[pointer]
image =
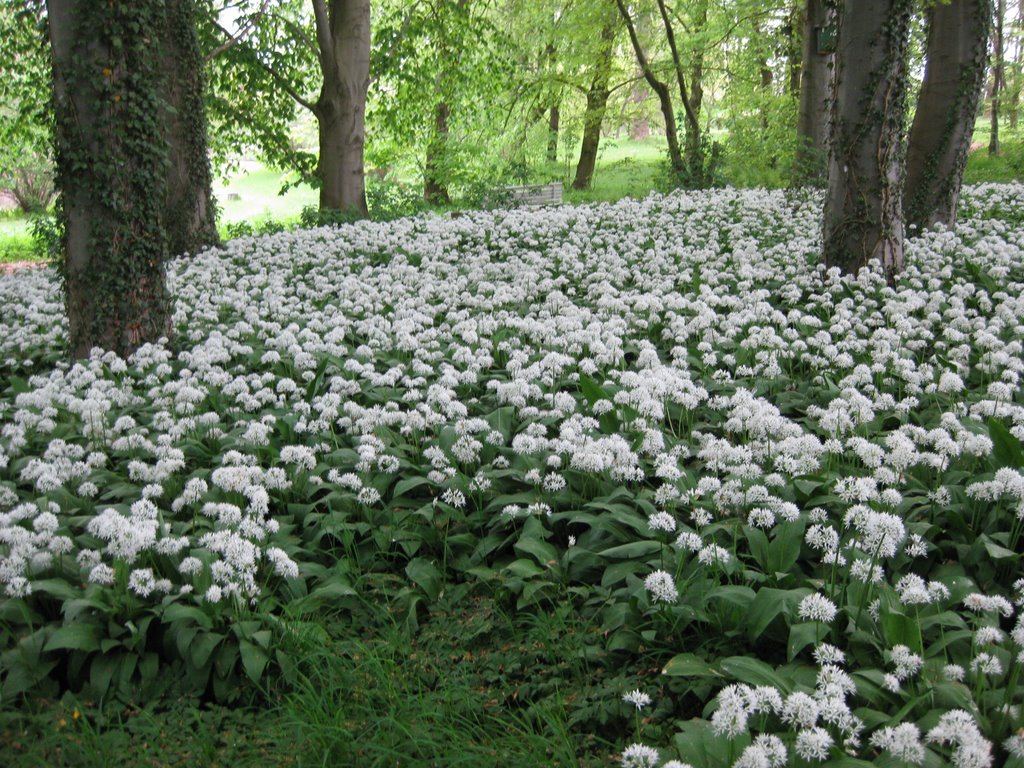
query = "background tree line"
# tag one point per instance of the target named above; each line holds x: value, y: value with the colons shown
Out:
x: 462, y: 95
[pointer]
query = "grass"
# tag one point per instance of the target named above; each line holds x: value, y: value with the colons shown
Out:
x: 477, y: 685
x: 254, y: 195
x: 625, y: 168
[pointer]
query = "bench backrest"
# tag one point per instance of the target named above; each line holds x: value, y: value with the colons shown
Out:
x: 536, y: 194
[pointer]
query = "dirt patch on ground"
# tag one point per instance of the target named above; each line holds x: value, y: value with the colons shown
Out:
x: 10, y: 267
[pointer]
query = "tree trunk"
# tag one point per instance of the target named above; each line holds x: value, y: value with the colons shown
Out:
x: 343, y: 36
x: 863, y: 206
x: 811, y: 155
x: 435, y: 190
x: 554, y: 117
x: 191, y: 211
x: 660, y: 89
x: 597, y: 101
x: 940, y: 137
x: 997, y: 77
x: 794, y: 48
x: 110, y: 113
x: 691, y: 98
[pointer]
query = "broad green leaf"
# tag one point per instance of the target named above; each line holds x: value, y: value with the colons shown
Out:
x: 758, y: 543
x: 426, y: 575
x: 1006, y: 449
x: 524, y: 569
x: 751, y: 671
x: 404, y: 486
x: 688, y: 665
x: 203, y: 646
x: 75, y: 637
x: 784, y: 550
x: 802, y: 635
x: 543, y: 552
x: 57, y: 588
x: 254, y: 659
x: 176, y: 612
x: 635, y: 550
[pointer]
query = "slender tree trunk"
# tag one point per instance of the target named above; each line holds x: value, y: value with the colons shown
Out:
x: 812, y: 128
x: 794, y: 48
x: 691, y: 97
x: 863, y: 205
x: 554, y: 117
x: 109, y: 106
x: 191, y: 212
x: 940, y: 137
x: 434, y: 188
x: 1015, y: 89
x: 343, y: 37
x: 660, y: 89
x: 997, y: 77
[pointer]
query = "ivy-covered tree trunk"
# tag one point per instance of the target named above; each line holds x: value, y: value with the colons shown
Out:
x: 863, y: 217
x: 940, y: 136
x: 812, y: 125
x: 343, y: 39
x: 110, y: 116
x: 191, y: 216
x: 597, y: 102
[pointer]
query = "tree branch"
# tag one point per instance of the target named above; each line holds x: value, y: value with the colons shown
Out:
x: 280, y: 79
x: 324, y: 39
x: 232, y: 40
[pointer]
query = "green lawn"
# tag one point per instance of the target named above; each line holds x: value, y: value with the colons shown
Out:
x: 253, y: 194
x: 625, y: 168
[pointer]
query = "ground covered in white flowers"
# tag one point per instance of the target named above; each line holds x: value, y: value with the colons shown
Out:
x: 796, y: 498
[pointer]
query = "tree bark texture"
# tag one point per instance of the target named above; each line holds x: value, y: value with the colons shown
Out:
x: 554, y: 119
x: 191, y: 212
x: 940, y: 137
x: 343, y: 38
x: 691, y: 97
x: 998, y: 75
x: 812, y: 124
x: 863, y: 205
x: 434, y: 188
x: 111, y: 169
x: 597, y: 102
x: 660, y: 89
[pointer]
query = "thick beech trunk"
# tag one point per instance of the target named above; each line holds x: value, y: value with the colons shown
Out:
x: 597, y: 102
x: 109, y: 110
x: 940, y: 137
x: 343, y: 37
x: 812, y: 123
x: 191, y: 212
x: 863, y: 205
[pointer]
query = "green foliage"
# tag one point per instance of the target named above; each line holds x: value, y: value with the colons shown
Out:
x: 26, y: 165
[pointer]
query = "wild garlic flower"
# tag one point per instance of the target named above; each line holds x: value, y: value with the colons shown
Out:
x: 813, y: 744
x: 639, y: 756
x: 817, y: 607
x: 637, y: 698
x: 902, y: 741
x: 661, y: 587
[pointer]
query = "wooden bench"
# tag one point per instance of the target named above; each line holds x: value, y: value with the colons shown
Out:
x: 532, y: 194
